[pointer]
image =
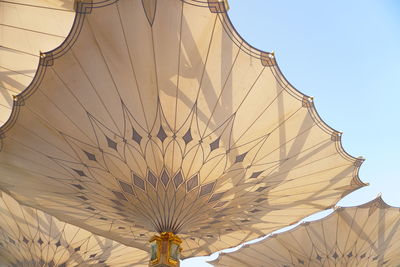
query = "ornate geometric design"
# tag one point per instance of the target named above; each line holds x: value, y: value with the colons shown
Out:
x: 214, y: 145
x: 111, y: 143
x: 29, y: 237
x: 161, y: 134
x: 136, y: 136
x: 192, y: 183
x: 206, y: 189
x: 151, y: 178
x: 127, y: 188
x: 366, y: 235
x: 164, y: 178
x: 138, y: 181
x: 187, y: 137
x: 178, y: 180
x: 189, y: 133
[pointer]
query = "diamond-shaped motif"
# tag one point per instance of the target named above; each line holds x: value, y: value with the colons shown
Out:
x: 319, y: 258
x: 300, y: 261
x: 362, y: 256
x: 261, y: 199
x: 164, y: 178
x: 187, y: 137
x: 77, y: 249
x: 335, y: 255
x: 127, y: 188
x: 136, y: 136
x: 152, y: 179
x: 78, y: 186
x: 256, y: 174
x: 83, y: 198
x: 92, y: 256
x: 262, y: 188
x: 79, y: 172
x: 216, y: 197
x: 220, y: 204
x: 90, y: 156
x: 58, y: 243
x: 350, y: 254
x: 26, y: 241
x: 214, y: 145
x: 178, y: 179
x: 255, y: 210
x: 192, y: 183
x: 206, y: 189
x: 40, y: 241
x: 161, y: 134
x: 11, y: 240
x: 119, y: 195
x: 240, y: 158
x: 139, y: 182
x: 111, y: 144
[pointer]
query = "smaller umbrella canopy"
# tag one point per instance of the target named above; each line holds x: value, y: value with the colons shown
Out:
x: 366, y: 235
x: 29, y: 237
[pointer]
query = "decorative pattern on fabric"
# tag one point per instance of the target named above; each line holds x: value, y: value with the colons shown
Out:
x: 29, y: 237
x: 367, y: 235
x: 170, y: 126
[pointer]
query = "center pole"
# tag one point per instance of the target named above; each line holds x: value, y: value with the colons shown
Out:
x: 165, y: 250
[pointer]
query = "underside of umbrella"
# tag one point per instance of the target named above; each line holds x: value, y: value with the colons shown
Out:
x: 157, y: 117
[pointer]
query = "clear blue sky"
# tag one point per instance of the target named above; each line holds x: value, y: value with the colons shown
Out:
x: 347, y: 55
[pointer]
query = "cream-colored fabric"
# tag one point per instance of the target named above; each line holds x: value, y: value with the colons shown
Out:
x: 26, y: 28
x: 367, y: 235
x: 159, y: 117
x: 30, y: 237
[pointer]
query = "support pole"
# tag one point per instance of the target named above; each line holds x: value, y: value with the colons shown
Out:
x: 165, y: 250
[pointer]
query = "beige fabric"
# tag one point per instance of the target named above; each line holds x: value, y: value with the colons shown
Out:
x: 29, y: 237
x: 26, y: 28
x: 159, y: 117
x: 367, y: 235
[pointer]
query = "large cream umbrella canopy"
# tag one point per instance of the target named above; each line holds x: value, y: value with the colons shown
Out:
x: 27, y: 27
x: 155, y: 116
x: 366, y: 235
x: 29, y: 237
